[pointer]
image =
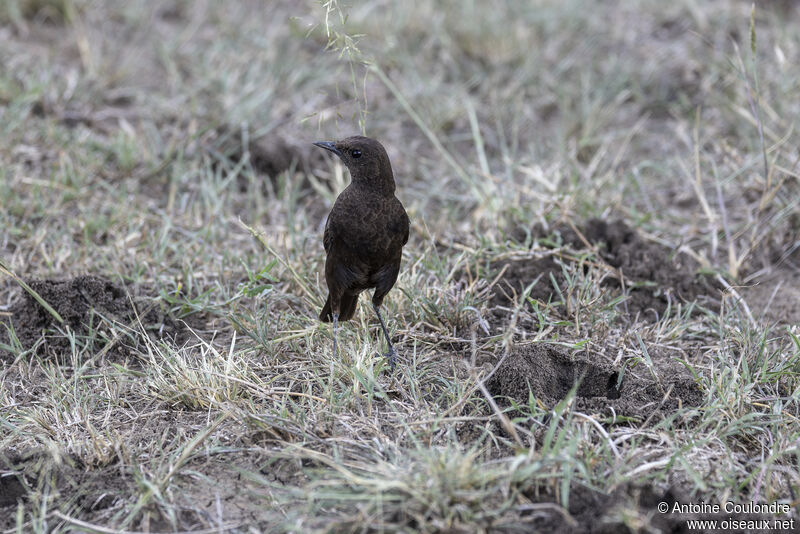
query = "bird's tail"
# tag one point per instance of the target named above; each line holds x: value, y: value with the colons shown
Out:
x: 347, y: 308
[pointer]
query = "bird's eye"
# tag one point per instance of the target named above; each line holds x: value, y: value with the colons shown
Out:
x: 355, y: 153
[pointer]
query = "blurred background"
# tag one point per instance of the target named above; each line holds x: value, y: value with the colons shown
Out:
x: 492, y: 114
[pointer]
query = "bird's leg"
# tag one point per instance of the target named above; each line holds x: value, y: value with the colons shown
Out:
x: 335, y: 328
x: 391, y: 355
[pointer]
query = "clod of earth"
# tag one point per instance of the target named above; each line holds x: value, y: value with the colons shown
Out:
x: 549, y: 373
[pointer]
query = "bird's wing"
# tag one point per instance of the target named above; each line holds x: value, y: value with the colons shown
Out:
x: 327, y: 238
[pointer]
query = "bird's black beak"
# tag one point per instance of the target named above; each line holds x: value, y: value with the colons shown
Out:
x: 327, y: 145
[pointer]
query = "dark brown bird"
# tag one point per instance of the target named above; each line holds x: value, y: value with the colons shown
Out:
x: 365, y: 233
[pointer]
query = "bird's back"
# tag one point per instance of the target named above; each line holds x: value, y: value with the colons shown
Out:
x: 366, y: 227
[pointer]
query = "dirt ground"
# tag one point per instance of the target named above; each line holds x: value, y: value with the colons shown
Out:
x: 598, y: 308
x: 86, y: 304
x: 656, y: 388
x: 652, y: 276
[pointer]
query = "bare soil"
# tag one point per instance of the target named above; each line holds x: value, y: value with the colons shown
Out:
x: 775, y: 298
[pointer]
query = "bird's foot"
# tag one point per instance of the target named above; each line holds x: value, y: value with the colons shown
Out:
x: 391, y: 356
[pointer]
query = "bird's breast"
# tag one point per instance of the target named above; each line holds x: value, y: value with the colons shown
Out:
x: 369, y: 227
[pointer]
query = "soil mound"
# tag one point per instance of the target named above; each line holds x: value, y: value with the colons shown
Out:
x: 83, y: 303
x: 269, y: 154
x: 655, y: 274
x: 549, y: 372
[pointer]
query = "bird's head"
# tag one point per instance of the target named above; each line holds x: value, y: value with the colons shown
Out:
x: 365, y: 158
